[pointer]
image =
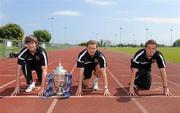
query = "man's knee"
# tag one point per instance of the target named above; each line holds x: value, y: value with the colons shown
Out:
x: 98, y: 72
x: 143, y: 82
x: 142, y: 85
x: 146, y: 84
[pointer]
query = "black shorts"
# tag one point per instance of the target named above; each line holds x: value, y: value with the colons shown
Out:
x: 143, y: 79
x: 88, y: 70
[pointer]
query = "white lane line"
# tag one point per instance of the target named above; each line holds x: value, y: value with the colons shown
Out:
x: 92, y: 89
x: 10, y: 75
x: 73, y: 69
x: 89, y: 96
x: 53, y: 104
x: 124, y: 75
x: 8, y: 68
x: 157, y: 76
x: 2, y: 66
x: 156, y: 83
x: 9, y: 83
x: 122, y: 86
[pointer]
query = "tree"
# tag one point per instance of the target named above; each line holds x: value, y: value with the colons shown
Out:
x: 141, y: 45
x: 11, y: 31
x: 176, y: 43
x: 42, y: 35
x: 83, y: 44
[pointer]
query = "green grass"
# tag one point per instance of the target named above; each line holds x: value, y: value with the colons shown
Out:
x: 56, y: 47
x: 1, y: 50
x: 170, y: 54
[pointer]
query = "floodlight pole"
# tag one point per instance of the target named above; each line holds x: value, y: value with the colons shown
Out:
x: 147, y: 33
x: 52, y: 29
x: 171, y: 30
x: 65, y: 29
x: 120, y: 34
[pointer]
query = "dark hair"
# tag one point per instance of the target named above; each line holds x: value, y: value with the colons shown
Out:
x: 91, y: 42
x: 30, y: 38
x: 151, y: 42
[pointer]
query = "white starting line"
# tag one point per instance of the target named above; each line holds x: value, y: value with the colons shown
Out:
x: 90, y: 96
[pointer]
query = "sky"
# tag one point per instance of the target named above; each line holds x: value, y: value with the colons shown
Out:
x: 75, y: 21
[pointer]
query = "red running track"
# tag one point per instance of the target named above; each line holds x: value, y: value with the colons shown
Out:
x: 147, y: 101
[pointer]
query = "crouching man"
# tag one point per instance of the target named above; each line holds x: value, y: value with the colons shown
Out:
x: 141, y: 68
x: 91, y: 61
x: 32, y: 57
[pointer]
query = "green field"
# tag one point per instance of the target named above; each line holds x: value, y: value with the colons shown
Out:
x: 1, y: 50
x: 170, y: 54
x: 56, y: 47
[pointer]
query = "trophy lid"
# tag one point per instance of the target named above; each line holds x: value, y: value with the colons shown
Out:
x: 59, y: 69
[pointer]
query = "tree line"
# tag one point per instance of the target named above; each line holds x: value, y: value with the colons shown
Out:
x: 13, y: 31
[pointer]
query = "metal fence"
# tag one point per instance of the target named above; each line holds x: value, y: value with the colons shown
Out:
x: 9, y: 46
x: 14, y: 46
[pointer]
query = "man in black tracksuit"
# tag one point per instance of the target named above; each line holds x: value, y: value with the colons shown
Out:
x: 141, y: 68
x: 32, y: 57
x: 91, y: 61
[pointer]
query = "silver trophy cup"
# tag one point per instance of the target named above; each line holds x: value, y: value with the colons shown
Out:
x: 59, y: 80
